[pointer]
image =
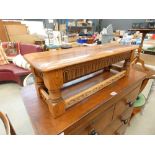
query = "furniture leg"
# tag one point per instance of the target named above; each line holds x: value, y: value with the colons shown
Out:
x: 128, y: 62
x: 139, y: 52
x: 38, y: 81
x: 56, y: 103
x: 107, y: 68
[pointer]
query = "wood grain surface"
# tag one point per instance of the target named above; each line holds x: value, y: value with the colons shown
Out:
x: 48, y: 61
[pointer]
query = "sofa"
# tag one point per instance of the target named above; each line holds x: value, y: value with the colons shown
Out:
x: 10, y: 71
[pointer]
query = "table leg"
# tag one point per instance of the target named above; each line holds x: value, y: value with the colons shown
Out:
x: 56, y: 103
x: 128, y: 62
x: 38, y: 81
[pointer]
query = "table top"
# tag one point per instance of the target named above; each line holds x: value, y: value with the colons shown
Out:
x: 143, y: 30
x: 44, y: 123
x: 48, y: 61
x: 150, y: 41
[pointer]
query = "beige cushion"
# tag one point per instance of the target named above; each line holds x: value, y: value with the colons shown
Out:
x: 21, y: 62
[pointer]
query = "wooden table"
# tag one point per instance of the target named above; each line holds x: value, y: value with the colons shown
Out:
x: 78, y: 116
x: 53, y: 70
x: 144, y: 32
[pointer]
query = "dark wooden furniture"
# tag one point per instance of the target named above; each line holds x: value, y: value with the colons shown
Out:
x: 144, y: 32
x: 13, y: 31
x: 56, y: 72
x: 100, y: 113
x: 3, y: 35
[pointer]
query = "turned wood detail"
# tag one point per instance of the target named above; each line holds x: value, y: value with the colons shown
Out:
x: 76, y: 71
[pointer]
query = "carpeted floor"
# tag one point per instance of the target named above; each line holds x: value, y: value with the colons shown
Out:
x: 11, y: 103
x: 144, y: 123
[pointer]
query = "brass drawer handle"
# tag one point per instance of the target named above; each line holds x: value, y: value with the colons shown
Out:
x: 125, y: 121
x: 93, y: 132
x: 130, y: 104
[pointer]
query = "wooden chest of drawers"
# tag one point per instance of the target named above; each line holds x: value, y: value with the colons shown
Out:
x: 101, y: 113
x: 112, y: 118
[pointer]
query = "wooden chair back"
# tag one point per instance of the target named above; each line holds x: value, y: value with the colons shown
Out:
x: 8, y: 126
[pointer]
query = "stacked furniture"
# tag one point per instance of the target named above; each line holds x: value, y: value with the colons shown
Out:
x: 12, y: 31
x: 80, y: 91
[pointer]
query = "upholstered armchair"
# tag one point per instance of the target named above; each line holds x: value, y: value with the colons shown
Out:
x: 10, y: 71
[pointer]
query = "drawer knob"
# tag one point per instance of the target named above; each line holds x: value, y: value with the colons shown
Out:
x: 125, y: 121
x: 130, y: 104
x: 93, y: 132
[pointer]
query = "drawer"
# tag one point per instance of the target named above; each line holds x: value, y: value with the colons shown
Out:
x: 121, y: 130
x: 80, y: 126
x: 110, y: 130
x: 131, y: 97
x: 82, y: 131
x: 94, y: 126
x: 125, y: 116
x: 118, y: 122
x: 125, y: 103
x: 102, y: 121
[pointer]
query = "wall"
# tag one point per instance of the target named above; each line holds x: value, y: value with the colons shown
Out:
x: 35, y: 27
x: 121, y: 24
x: 63, y: 21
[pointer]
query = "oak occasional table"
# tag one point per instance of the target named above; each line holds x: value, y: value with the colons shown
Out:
x: 56, y: 72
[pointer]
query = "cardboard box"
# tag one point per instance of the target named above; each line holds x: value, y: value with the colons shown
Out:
x: 63, y: 27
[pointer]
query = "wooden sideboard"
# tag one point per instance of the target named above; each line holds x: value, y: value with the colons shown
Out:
x: 101, y: 113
